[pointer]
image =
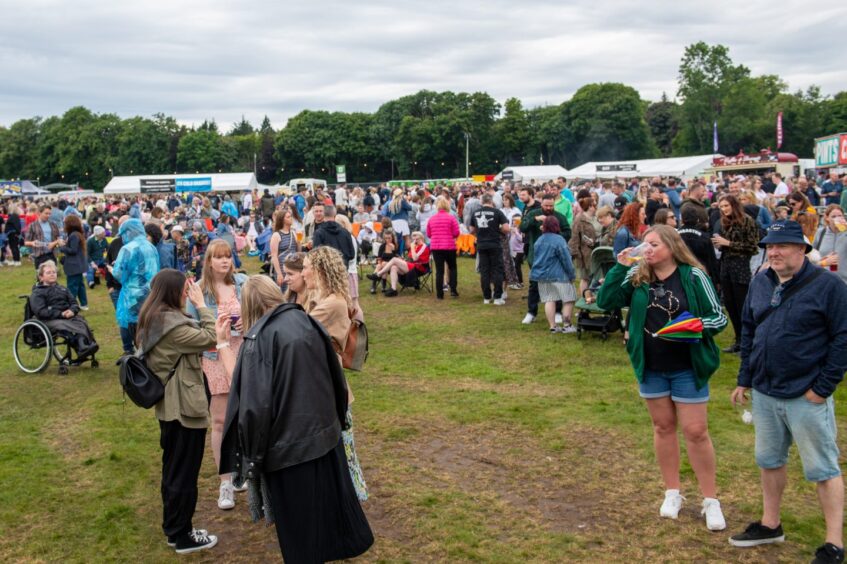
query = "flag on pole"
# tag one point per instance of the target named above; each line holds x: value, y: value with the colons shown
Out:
x: 779, y: 130
x: 715, y: 138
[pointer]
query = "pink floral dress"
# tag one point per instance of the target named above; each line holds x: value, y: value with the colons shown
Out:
x: 219, y: 380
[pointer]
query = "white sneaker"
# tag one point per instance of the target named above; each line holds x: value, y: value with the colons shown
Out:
x: 83, y: 308
x: 528, y: 319
x: 672, y: 504
x: 501, y: 301
x: 558, y: 319
x: 567, y: 329
x: 714, y: 515
x: 242, y: 488
x: 504, y: 295
x: 486, y: 301
x: 226, y: 500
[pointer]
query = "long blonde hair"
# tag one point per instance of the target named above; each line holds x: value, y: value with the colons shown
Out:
x: 216, y: 248
x: 258, y: 296
x: 680, y: 253
x: 330, y: 275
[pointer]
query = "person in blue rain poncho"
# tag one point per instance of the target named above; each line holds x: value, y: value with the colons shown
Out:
x: 135, y: 267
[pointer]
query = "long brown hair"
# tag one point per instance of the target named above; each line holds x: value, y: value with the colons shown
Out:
x: 216, y: 248
x: 737, y: 215
x: 680, y: 253
x: 165, y: 295
x: 73, y: 224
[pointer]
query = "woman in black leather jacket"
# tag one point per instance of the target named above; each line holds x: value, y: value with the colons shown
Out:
x: 287, y: 405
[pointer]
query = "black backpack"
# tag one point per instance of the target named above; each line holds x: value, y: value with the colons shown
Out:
x: 140, y: 383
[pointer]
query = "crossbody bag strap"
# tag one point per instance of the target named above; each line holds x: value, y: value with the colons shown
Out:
x: 791, y: 291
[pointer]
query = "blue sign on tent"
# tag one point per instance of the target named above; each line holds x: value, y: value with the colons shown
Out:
x: 194, y: 184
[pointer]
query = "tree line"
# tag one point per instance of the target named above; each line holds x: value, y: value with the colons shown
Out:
x: 424, y: 135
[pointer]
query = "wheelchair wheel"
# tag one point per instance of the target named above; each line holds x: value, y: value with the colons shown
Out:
x: 33, y: 346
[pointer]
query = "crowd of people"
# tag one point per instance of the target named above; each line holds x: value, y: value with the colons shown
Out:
x: 171, y: 264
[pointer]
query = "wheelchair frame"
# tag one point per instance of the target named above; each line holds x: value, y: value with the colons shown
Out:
x: 35, y: 334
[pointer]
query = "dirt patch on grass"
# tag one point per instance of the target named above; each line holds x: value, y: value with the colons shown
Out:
x: 592, y: 490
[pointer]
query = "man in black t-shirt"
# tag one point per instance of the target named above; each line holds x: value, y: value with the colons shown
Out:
x: 488, y: 223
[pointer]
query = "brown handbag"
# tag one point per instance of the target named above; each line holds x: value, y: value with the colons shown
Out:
x: 355, y: 351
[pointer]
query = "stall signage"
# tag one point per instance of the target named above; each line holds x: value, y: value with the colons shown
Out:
x: 842, y: 152
x: 203, y: 184
x: 156, y: 185
x: 617, y: 168
x: 826, y: 151
x: 507, y: 175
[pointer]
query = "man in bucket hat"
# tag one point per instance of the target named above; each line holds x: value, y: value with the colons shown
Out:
x: 793, y: 355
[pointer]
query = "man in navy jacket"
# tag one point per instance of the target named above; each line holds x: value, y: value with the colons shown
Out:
x: 793, y: 355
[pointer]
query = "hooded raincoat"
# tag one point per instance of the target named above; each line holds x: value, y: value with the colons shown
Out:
x: 135, y: 267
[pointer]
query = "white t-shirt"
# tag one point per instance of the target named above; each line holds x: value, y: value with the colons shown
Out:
x: 247, y: 201
x: 340, y: 197
x: 781, y: 189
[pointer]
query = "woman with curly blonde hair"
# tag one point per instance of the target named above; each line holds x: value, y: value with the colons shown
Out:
x: 325, y: 275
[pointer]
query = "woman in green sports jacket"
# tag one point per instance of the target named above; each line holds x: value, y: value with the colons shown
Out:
x: 673, y: 377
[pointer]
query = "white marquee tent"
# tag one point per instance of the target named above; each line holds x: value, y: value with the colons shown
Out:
x: 530, y: 173
x: 680, y: 167
x: 223, y: 182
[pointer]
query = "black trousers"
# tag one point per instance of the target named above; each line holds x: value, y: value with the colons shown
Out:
x: 441, y: 258
x: 491, y: 272
x: 534, y: 298
x: 15, y: 246
x: 733, y: 298
x: 182, y: 454
x: 518, y: 260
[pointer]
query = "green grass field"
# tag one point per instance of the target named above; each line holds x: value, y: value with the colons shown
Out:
x: 481, y: 440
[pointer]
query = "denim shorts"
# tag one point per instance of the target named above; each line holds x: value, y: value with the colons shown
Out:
x: 680, y: 385
x: 780, y: 421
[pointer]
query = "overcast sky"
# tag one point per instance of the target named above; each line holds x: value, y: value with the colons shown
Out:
x: 202, y: 60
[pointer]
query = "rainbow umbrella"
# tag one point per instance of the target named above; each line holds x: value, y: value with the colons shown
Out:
x: 684, y: 329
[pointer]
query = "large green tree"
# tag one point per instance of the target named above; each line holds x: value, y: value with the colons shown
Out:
x: 706, y: 74
x: 663, y: 120
x: 606, y: 122
x: 202, y: 151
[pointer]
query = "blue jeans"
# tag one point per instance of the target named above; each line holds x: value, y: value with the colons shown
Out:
x: 680, y: 385
x: 76, y: 286
x: 779, y: 422
x: 128, y: 338
x: 89, y: 276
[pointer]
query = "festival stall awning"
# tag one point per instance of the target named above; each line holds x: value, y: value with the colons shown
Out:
x: 541, y: 173
x: 169, y: 183
x: 679, y: 167
x: 20, y: 188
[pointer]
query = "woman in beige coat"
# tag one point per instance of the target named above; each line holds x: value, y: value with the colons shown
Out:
x: 584, y: 237
x: 325, y: 275
x: 171, y: 342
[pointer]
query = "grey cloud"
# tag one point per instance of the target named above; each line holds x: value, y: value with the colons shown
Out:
x: 201, y: 60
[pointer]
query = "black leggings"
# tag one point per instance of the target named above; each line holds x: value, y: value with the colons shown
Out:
x: 442, y: 257
x: 734, y: 295
x: 518, y: 259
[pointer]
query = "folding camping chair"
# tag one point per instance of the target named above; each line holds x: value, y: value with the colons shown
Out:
x: 418, y: 280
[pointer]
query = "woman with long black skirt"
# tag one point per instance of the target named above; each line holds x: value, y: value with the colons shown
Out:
x: 287, y: 407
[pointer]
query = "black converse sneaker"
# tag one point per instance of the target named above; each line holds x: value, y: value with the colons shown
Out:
x: 756, y: 534
x: 829, y: 553
x: 194, y: 541
x: 172, y: 538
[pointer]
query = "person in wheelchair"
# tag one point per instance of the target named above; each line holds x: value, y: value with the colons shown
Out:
x: 52, y: 304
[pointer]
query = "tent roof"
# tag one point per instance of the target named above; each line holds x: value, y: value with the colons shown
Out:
x: 674, y: 166
x: 20, y: 188
x: 541, y: 172
x: 221, y: 182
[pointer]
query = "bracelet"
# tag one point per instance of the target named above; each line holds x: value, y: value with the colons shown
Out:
x: 220, y: 346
